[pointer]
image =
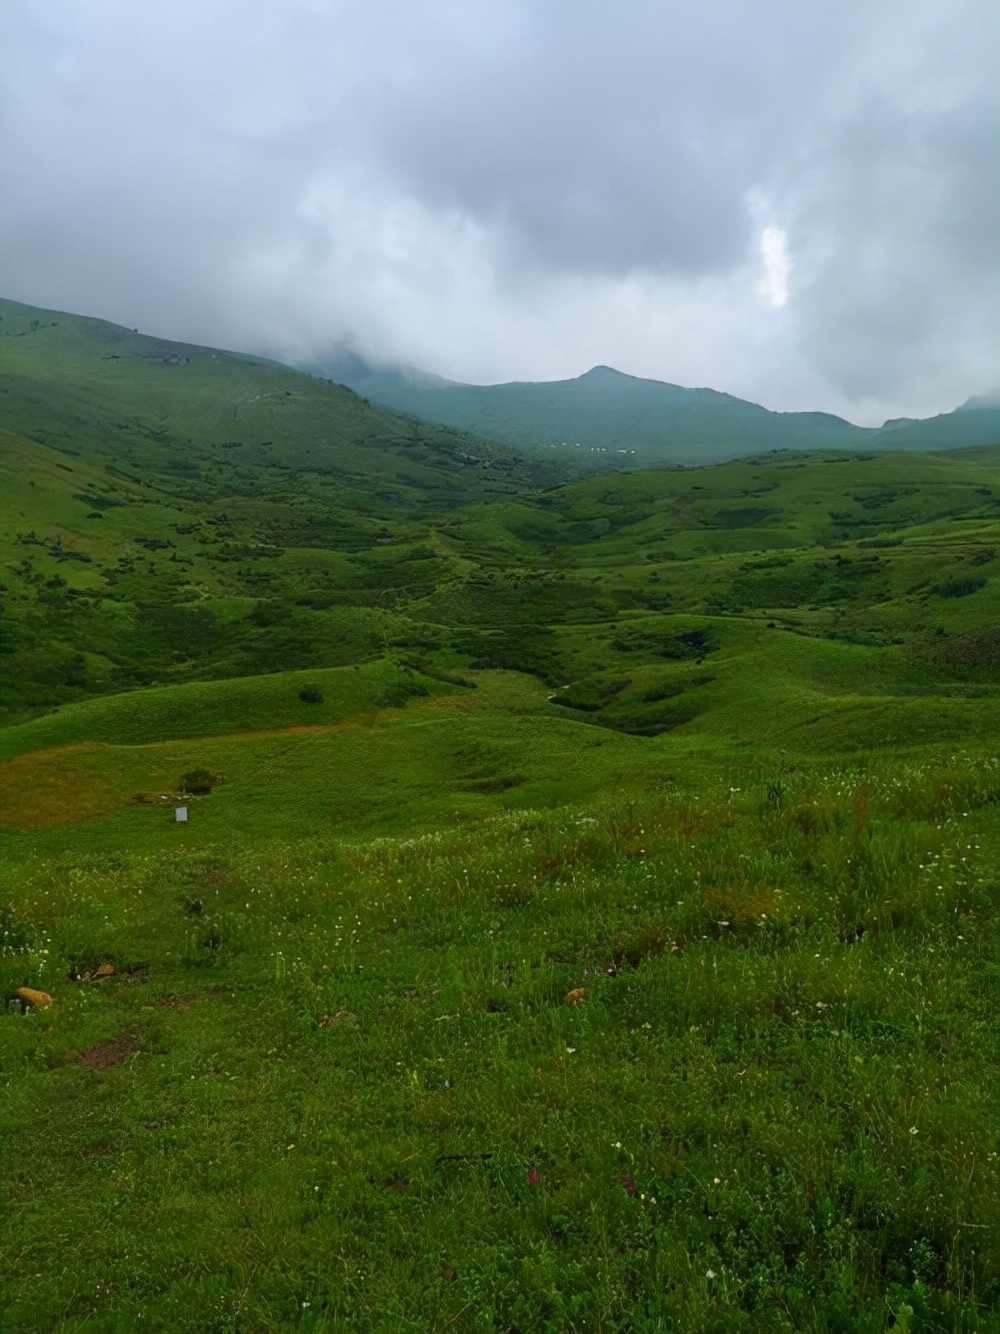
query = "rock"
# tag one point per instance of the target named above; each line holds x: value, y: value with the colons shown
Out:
x: 105, y: 970
x: 38, y: 1000
x: 577, y: 995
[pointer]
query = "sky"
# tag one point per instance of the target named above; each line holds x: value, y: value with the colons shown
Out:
x: 795, y: 201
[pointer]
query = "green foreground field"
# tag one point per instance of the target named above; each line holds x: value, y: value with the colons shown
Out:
x: 585, y: 914
x: 337, y: 1083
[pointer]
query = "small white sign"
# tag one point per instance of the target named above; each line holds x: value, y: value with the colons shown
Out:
x: 181, y: 814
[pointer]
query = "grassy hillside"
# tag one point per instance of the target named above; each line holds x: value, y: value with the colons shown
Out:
x: 207, y: 422
x: 155, y: 496
x: 584, y: 916
x: 966, y: 426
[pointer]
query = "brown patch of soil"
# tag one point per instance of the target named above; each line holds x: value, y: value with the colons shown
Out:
x: 112, y: 1051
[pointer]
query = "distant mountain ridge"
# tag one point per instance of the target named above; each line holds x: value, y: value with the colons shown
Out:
x: 599, y: 419
x: 605, y: 416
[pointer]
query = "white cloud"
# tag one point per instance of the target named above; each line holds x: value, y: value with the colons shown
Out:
x: 794, y: 203
x: 776, y: 265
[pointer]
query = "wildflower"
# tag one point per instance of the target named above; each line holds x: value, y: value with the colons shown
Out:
x: 532, y: 1176
x: 710, y: 1273
x: 571, y: 1050
x: 629, y: 1185
x: 914, y: 1130
x: 715, y: 1181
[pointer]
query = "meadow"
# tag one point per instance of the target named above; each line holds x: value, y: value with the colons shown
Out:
x: 585, y: 914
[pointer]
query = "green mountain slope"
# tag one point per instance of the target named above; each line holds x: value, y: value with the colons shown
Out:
x: 607, y: 418
x: 965, y: 427
x: 208, y: 422
x: 172, y: 511
x: 602, y: 417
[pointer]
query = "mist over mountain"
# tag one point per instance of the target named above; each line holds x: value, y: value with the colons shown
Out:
x: 611, y: 417
x: 797, y: 203
x: 603, y: 418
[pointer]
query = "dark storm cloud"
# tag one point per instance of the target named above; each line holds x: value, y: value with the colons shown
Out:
x: 796, y: 202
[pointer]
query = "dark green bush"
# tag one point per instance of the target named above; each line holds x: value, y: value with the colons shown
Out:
x: 959, y: 588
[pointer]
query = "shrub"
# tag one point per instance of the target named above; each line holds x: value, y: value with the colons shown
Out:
x: 310, y: 695
x: 959, y: 588
x: 197, y: 782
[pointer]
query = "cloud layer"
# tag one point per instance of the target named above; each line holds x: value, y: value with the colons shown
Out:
x: 795, y: 203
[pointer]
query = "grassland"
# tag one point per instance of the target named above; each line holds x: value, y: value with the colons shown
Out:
x: 585, y: 918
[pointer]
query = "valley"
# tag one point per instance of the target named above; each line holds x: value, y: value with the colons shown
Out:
x: 583, y: 917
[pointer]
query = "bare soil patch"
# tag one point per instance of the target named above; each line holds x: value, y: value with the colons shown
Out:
x: 112, y: 1051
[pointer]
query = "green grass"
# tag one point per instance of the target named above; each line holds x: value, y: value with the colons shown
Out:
x: 247, y: 704
x: 344, y: 1089
x: 715, y: 746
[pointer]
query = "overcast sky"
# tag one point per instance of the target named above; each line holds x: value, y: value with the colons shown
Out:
x: 795, y: 201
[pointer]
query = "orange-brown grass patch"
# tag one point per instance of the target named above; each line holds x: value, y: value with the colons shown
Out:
x: 462, y: 701
x: 57, y: 786
x: 669, y: 824
x: 741, y: 904
x: 570, y: 855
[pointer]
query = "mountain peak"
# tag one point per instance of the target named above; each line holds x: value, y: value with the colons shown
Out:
x: 603, y: 373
